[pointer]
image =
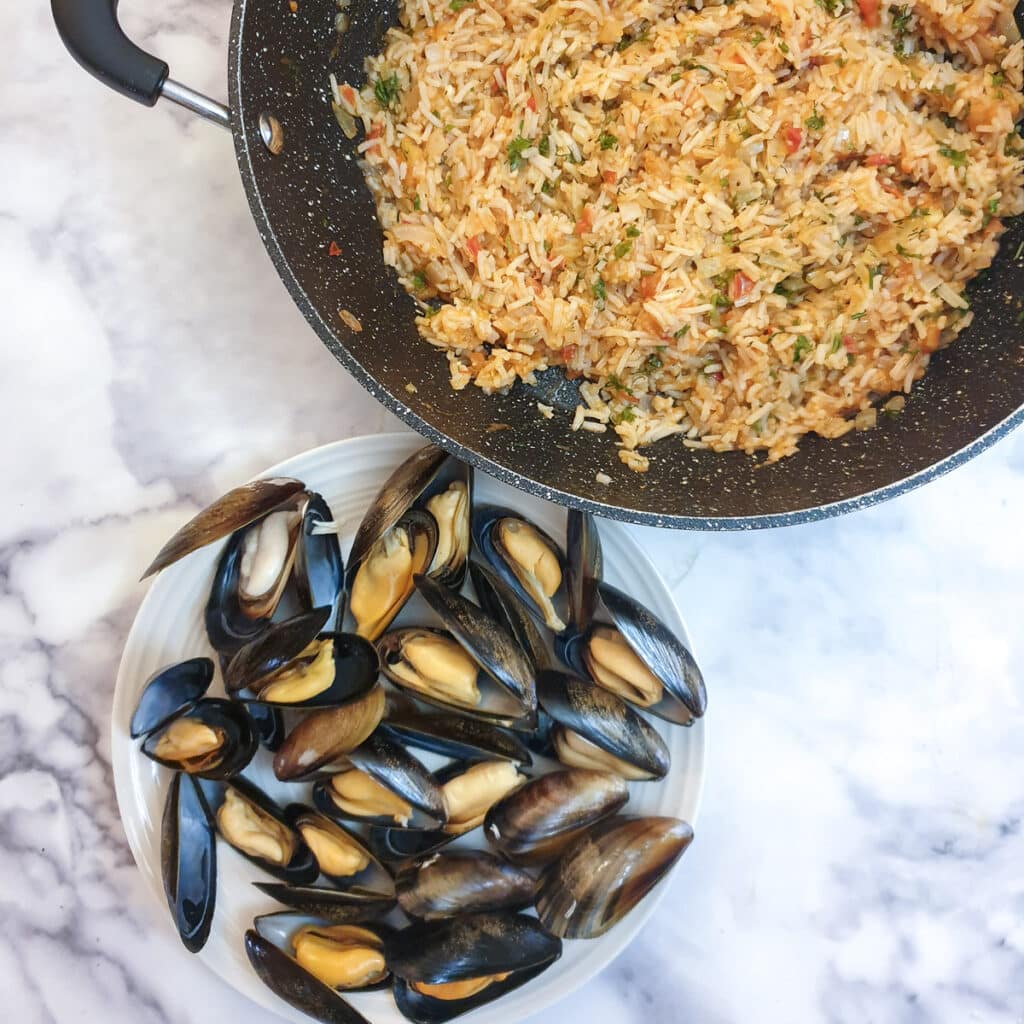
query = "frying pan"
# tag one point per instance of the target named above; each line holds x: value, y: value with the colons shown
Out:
x: 305, y: 190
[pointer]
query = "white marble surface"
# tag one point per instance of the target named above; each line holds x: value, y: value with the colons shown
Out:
x: 860, y: 856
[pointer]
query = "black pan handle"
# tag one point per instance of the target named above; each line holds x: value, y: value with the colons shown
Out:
x: 94, y: 37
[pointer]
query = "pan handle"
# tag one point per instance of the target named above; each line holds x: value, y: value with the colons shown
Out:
x: 91, y: 32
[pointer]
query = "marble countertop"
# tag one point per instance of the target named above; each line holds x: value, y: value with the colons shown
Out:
x: 859, y: 856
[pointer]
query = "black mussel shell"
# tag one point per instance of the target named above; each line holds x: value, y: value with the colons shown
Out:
x: 604, y: 720
x: 452, y: 470
x: 490, y: 645
x: 296, y: 986
x: 229, y: 513
x: 269, y: 724
x: 231, y: 719
x: 273, y: 649
x: 539, y: 739
x: 170, y: 691
x: 486, y: 536
x: 390, y: 845
x: 188, y: 859
x: 302, y: 867
x: 502, y: 603
x: 320, y: 568
x: 330, y: 904
x: 584, y: 564
x: 463, y: 882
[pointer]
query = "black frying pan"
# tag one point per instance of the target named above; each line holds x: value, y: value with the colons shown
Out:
x: 311, y: 192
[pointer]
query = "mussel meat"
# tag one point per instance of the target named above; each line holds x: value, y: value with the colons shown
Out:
x: 469, y: 793
x: 607, y: 872
x: 169, y: 692
x: 360, y: 796
x: 450, y: 509
x: 213, y: 738
x: 502, y: 603
x: 461, y: 883
x: 340, y: 855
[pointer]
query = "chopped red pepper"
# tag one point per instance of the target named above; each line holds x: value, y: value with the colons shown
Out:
x: 878, y: 160
x: 849, y: 343
x: 793, y: 137
x: 348, y: 95
x: 739, y: 286
x: 869, y: 12
x: 472, y: 247
x: 531, y: 104
x: 586, y: 222
x: 334, y: 249
x: 610, y: 177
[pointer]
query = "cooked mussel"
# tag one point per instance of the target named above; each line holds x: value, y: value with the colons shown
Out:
x: 188, y: 860
x: 340, y: 854
x: 212, y: 738
x: 584, y: 564
x: 595, y: 729
x: 394, y: 845
x: 537, y: 822
x: 335, y: 905
x: 461, y: 883
x: 470, y: 791
x: 327, y: 734
x: 169, y: 692
x: 319, y: 567
x: 502, y: 603
x: 527, y: 558
x: 382, y: 581
x: 630, y: 652
x: 384, y: 785
x: 607, y: 872
x: 446, y: 968
x: 345, y: 957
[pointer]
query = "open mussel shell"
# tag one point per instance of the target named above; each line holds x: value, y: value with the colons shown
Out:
x: 329, y: 904
x: 213, y: 739
x: 486, y: 641
x: 502, y: 603
x: 632, y: 653
x: 537, y: 822
x: 273, y: 650
x: 169, y: 692
x: 463, y: 882
x: 385, y: 785
x: 236, y: 509
x: 393, y: 845
x: 595, y: 729
x: 451, y: 735
x: 254, y: 825
x: 434, y: 667
x: 228, y: 628
x: 188, y: 860
x: 527, y: 558
x: 607, y: 872
x: 340, y: 854
x: 296, y: 986
x: 381, y: 582
x: 345, y: 957
x: 584, y: 563
x: 448, y: 499
x: 327, y: 734
x: 319, y: 566
x: 471, y: 789
x: 485, y: 955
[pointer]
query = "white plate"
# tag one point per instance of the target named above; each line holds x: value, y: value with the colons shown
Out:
x: 169, y: 628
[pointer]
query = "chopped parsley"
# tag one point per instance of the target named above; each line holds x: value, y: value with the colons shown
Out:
x: 613, y: 383
x: 920, y: 211
x: 992, y: 205
x: 858, y: 316
x: 803, y: 344
x: 419, y: 280
x: 876, y: 271
x: 957, y: 157
x: 386, y: 89
x: 516, y: 148
x: 548, y: 188
x: 682, y: 332
x: 599, y: 290
x: 833, y: 7
x: 632, y: 231
x: 607, y: 141
x: 906, y: 254
x: 416, y: 205
x: 457, y: 5
x: 815, y: 122
x: 692, y: 65
x: 544, y: 146
x: 998, y: 79
x: 757, y: 39
x: 622, y: 249
x: 783, y: 47
x: 624, y: 416
x: 719, y: 301
x: 837, y: 341
x: 900, y: 20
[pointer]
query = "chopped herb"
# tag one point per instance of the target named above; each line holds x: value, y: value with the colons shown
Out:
x: 622, y: 249
x: 416, y: 205
x: 876, y: 271
x: 858, y: 220
x: 419, y: 280
x: 544, y: 146
x: 757, y: 39
x: 632, y: 231
x: 692, y: 65
x: 624, y: 416
x: 516, y: 148
x: 607, y: 141
x: 998, y: 79
x: 783, y: 47
x: 730, y: 237
x: 682, y: 332
x: 457, y: 5
x: 957, y: 157
x: 1016, y: 255
x: 1020, y: 318
x: 719, y: 301
x: 833, y: 7
x: 992, y: 205
x: 614, y: 384
x: 781, y: 289
x: 837, y: 341
x: 548, y: 188
x: 599, y: 290
x: 920, y: 211
x: 386, y: 90
x: 900, y: 20
x: 676, y: 75
x: 906, y: 254
x: 858, y: 316
x: 815, y: 122
x: 803, y: 344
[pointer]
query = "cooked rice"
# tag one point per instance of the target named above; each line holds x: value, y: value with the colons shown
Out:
x: 741, y: 223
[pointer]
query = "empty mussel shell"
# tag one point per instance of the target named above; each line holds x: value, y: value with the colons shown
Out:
x: 384, y: 785
x: 607, y: 872
x: 595, y: 729
x: 344, y: 957
x: 503, y: 604
x: 448, y: 967
x: 537, y: 822
x: 188, y: 860
x: 327, y: 734
x: 253, y: 824
x: 229, y: 513
x: 630, y: 652
x: 527, y: 559
x: 292, y: 983
x: 463, y: 882
x: 471, y: 790
x: 584, y: 564
x: 169, y: 692
x: 319, y: 566
x: 340, y: 854
x: 329, y: 904
x: 213, y: 738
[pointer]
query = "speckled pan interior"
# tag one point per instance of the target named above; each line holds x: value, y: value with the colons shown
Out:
x: 313, y: 193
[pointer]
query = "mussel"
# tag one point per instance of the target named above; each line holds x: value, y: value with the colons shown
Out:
x: 537, y: 822
x: 607, y: 872
x: 340, y: 907
x: 584, y: 561
x: 384, y: 785
x: 524, y: 555
x: 470, y: 791
x: 630, y: 652
x: 463, y: 882
x: 212, y: 738
x: 446, y: 968
x: 188, y: 859
x: 341, y: 856
x: 502, y: 603
x: 327, y: 734
x: 169, y: 692
x: 595, y: 729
